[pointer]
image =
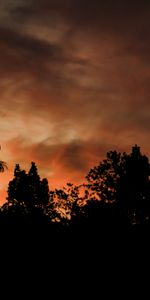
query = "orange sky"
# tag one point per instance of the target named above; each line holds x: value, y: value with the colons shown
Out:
x: 75, y: 83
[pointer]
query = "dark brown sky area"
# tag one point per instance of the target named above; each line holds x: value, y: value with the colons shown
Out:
x: 74, y: 83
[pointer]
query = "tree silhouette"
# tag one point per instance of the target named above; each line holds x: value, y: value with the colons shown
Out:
x: 3, y: 166
x: 134, y: 187
x: 117, y: 194
x: 103, y: 180
x: 69, y: 203
x: 18, y: 187
x: 44, y: 192
x: 34, y: 185
x: 122, y: 179
x: 28, y: 188
x: 28, y: 196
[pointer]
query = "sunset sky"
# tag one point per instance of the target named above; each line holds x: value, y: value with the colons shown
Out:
x: 75, y: 83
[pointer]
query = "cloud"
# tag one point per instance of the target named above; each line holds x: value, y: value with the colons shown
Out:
x: 74, y: 82
x: 104, y: 14
x: 60, y: 163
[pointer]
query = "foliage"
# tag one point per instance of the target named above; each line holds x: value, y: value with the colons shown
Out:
x: 28, y: 188
x: 117, y: 194
x: 103, y: 180
x: 69, y: 202
x: 124, y: 179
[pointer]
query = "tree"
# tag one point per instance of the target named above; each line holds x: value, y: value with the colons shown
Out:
x: 38, y: 188
x: 122, y: 179
x: 27, y: 198
x: 28, y: 188
x: 18, y: 187
x: 134, y: 188
x: 103, y: 180
x: 68, y: 203
x: 3, y: 166
x: 34, y: 191
x: 44, y: 192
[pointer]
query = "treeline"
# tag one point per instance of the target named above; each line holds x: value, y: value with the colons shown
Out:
x: 116, y: 195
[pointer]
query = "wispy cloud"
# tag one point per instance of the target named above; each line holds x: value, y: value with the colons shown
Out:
x: 74, y: 83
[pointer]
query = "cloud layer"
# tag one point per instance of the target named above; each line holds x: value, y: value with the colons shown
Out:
x: 74, y: 83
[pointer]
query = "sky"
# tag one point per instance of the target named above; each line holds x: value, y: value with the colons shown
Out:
x: 74, y: 84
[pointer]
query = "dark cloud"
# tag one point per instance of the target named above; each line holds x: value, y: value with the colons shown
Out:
x: 25, y: 53
x: 123, y: 22
x: 106, y: 13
